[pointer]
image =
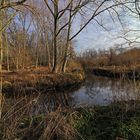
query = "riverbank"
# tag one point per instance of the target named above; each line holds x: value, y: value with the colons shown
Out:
x: 118, y: 121
x: 32, y: 82
x: 117, y: 72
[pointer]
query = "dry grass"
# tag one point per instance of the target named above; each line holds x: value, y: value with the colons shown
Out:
x: 41, y: 81
x: 19, y: 122
x: 59, y: 126
x: 12, y: 117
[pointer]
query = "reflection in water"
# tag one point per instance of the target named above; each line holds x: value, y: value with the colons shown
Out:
x: 51, y: 101
x: 95, y: 91
x: 102, y: 91
x: 37, y: 104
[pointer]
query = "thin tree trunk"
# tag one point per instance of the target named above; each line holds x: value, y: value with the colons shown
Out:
x: 48, y: 54
x: 67, y: 43
x: 24, y: 51
x: 18, y: 59
x: 1, y: 55
x: 37, y: 53
x: 36, y: 62
x: 17, y: 64
x: 1, y: 59
x: 55, y: 48
x: 7, y: 54
x: 55, y: 36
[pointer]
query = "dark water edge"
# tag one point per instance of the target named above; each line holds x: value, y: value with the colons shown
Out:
x: 113, y: 73
x: 96, y: 90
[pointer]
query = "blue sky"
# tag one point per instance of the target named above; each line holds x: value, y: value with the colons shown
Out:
x: 94, y: 36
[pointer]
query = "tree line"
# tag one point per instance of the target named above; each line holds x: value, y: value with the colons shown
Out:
x: 43, y: 32
x: 128, y: 57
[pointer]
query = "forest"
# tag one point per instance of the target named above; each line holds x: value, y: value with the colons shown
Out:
x: 49, y: 90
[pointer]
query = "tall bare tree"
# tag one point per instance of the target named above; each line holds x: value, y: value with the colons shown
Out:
x: 4, y: 4
x: 89, y: 10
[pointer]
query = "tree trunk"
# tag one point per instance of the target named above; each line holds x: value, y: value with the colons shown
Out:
x: 7, y: 54
x: 55, y: 48
x: 1, y: 59
x: 36, y: 62
x: 24, y: 49
x: 48, y: 54
x: 64, y: 64
x: 67, y: 43
x: 1, y: 56
x: 54, y: 69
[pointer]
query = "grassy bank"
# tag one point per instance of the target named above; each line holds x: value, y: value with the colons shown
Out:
x: 116, y: 121
x: 30, y: 82
x: 119, y: 120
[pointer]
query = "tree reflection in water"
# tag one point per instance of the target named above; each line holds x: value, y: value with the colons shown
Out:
x: 95, y: 91
x: 51, y: 101
x: 39, y: 103
x: 102, y: 91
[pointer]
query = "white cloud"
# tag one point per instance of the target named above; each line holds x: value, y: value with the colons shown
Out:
x: 95, y: 37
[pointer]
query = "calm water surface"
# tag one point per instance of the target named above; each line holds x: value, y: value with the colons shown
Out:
x: 95, y: 91
x: 103, y: 91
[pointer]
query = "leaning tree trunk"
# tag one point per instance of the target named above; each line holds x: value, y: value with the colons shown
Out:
x: 67, y: 43
x: 64, y: 64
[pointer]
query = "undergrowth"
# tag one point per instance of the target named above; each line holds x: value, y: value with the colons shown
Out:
x: 118, y: 120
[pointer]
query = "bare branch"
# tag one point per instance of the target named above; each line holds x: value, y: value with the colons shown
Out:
x: 64, y: 10
x: 49, y: 7
x: 11, y: 4
x: 96, y: 14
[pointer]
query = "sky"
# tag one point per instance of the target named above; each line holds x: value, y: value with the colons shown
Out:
x: 94, y: 36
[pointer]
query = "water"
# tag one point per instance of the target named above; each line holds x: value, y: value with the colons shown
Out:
x: 103, y: 91
x: 95, y: 91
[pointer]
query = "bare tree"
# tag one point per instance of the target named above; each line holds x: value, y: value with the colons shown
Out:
x: 3, y: 5
x: 89, y: 10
